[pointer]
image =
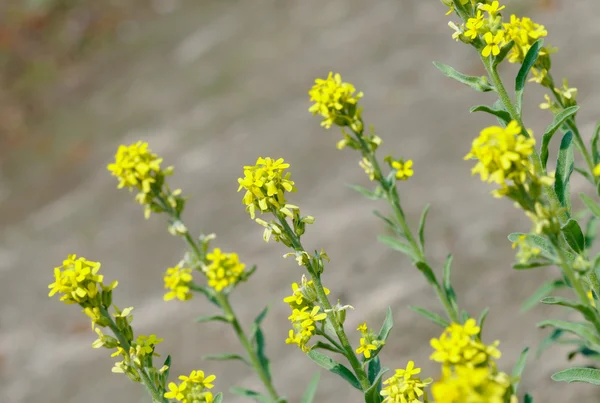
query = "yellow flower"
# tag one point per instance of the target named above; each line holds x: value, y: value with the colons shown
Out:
x: 197, y: 377
x: 135, y: 166
x: 177, y: 280
x: 403, y: 386
x: 493, y: 43
x: 458, y: 346
x: 265, y: 185
x: 304, y: 325
x: 144, y: 345
x: 334, y: 99
x: 470, y: 384
x: 474, y: 25
x: 524, y: 32
x: 503, y: 154
x: 304, y: 294
x: 176, y: 391
x: 223, y: 269
x: 362, y: 327
x: 590, y: 295
x: 597, y: 170
x: 493, y: 8
x: 403, y: 169
x: 79, y: 282
x: 365, y: 348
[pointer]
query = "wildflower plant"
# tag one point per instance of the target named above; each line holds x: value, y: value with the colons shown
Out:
x: 506, y: 155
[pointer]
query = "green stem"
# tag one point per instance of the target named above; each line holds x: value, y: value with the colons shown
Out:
x: 394, y: 199
x: 346, y: 347
x: 330, y: 339
x: 229, y: 313
x: 254, y: 360
x: 535, y: 159
x: 146, y: 381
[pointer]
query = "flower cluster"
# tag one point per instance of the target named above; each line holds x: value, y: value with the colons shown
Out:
x: 78, y: 281
x: 265, y: 185
x: 502, y: 154
x: 194, y: 388
x: 368, y: 342
x: 524, y: 32
x: 137, y: 167
x: 177, y: 280
x: 305, y: 313
x: 223, y: 269
x: 469, y: 371
x: 335, y: 101
x: 404, y: 386
x: 459, y: 345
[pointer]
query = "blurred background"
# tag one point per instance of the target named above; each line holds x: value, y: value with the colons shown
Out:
x: 212, y: 85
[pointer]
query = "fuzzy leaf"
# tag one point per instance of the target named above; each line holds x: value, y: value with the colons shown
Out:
x: 574, y: 236
x: 369, y: 194
x: 332, y: 366
x: 591, y: 204
x: 422, y: 227
x: 518, y: 369
x: 587, y: 375
x: 225, y: 357
x: 396, y: 244
x: 257, y: 397
x: 434, y: 317
x: 477, y: 83
x: 528, y: 62
x: 212, y: 318
x: 595, y: 150
x: 564, y: 168
x: 499, y: 113
x: 386, y: 327
x: 541, y: 292
x: 583, y: 330
x: 372, y: 394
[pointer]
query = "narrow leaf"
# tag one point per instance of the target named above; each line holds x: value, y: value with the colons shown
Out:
x: 218, y: 398
x: 527, y: 398
x: 369, y: 194
x: 482, y: 318
x: 528, y: 62
x: 212, y: 318
x: 548, y: 341
x: 261, y: 353
x: 595, y: 150
x: 559, y: 119
x: 226, y: 357
x: 422, y: 226
x: 586, y: 375
x: 448, y: 289
x: 257, y: 321
x: 397, y: 245
x: 590, y: 314
x: 427, y: 272
x: 386, y: 327
x: 373, y: 368
x: 258, y: 397
x: 434, y: 317
x: 541, y: 292
x: 311, y: 389
x: 477, y: 83
x: 500, y: 114
x: 591, y: 204
x: 518, y: 369
x: 564, y: 168
x: 583, y: 330
x: 326, y: 346
x: 332, y: 366
x: 530, y: 265
x: 391, y: 224
x: 574, y: 236
x: 372, y: 394
x: 585, y: 174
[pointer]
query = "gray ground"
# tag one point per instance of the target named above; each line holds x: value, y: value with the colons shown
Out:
x: 211, y: 86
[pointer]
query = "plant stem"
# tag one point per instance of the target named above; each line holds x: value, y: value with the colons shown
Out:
x: 157, y: 397
x: 394, y: 199
x: 223, y: 301
x: 337, y: 326
x: 535, y: 159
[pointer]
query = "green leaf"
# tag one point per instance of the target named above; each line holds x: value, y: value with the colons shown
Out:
x: 258, y: 397
x: 434, y: 317
x: 541, y: 242
x: 586, y: 375
x: 559, y: 119
x: 591, y: 204
x: 369, y: 194
x: 482, y: 318
x: 595, y: 138
x: 332, y: 366
x: 372, y: 394
x: 207, y: 291
x: 518, y: 369
x: 218, y: 398
x: 311, y: 389
x: 503, y: 52
x: 260, y: 351
x: 257, y: 321
x: 564, y: 168
x: 164, y: 377
x: 427, y: 272
x: 528, y: 62
x: 386, y: 327
x: 499, y: 113
x: 583, y: 330
x: 393, y: 226
x: 394, y: 243
x: 448, y: 289
x: 212, y: 318
x: 326, y: 346
x: 530, y: 265
x: 422, y: 227
x: 574, y: 236
x: 477, y: 83
x: 373, y: 368
x: 585, y: 174
x: 226, y: 357
x: 590, y: 314
x: 548, y: 341
x: 541, y: 292
x: 527, y: 398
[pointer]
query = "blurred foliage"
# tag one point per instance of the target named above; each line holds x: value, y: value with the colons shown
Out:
x: 39, y: 41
